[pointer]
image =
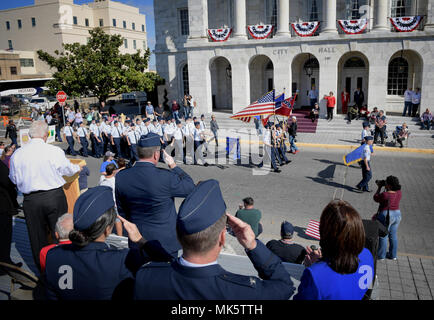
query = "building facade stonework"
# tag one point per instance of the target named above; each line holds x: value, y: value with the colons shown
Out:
x: 229, y: 75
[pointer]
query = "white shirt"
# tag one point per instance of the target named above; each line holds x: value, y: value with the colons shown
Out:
x: 202, y: 125
x: 267, y: 137
x: 197, y: 134
x: 191, y: 127
x: 415, y: 98
x: 48, y: 118
x: 366, y: 152
x: 133, y: 136
x: 109, y: 182
x: 365, y: 133
x: 82, y: 132
x: 39, y: 166
x: 68, y: 131
x: 185, y: 263
x: 116, y: 132
x: 178, y: 133
x: 408, y: 95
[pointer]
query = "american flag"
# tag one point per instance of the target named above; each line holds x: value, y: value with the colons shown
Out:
x: 313, y: 229
x: 265, y: 105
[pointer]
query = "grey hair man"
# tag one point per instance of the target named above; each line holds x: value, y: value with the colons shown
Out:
x: 37, y: 169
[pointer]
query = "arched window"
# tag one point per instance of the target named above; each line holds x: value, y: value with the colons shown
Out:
x: 397, y: 79
x: 185, y: 84
x: 354, y: 62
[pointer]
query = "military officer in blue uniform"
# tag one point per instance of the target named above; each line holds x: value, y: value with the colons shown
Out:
x: 201, y: 229
x: 89, y: 269
x: 69, y: 133
x: 116, y: 136
x: 366, y: 165
x: 145, y: 193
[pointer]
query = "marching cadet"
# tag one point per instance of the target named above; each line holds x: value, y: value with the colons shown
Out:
x: 83, y: 136
x: 92, y: 138
x: 268, y: 148
x: 146, y: 126
x: 138, y: 127
x: 196, y: 275
x: 189, y: 139
x: 199, y: 140
x: 115, y: 136
x: 178, y: 136
x: 89, y: 268
x: 95, y: 135
x: 145, y: 193
x: 279, y: 146
x: 366, y: 165
x: 106, y: 135
x: 69, y: 134
x: 132, y: 137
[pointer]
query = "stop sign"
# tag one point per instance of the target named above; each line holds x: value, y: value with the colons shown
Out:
x: 61, y: 96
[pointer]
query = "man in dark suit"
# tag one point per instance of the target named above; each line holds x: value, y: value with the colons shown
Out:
x: 145, y: 193
x: 359, y: 98
x: 201, y: 229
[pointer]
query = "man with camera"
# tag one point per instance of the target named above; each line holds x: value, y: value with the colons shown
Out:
x: 366, y: 165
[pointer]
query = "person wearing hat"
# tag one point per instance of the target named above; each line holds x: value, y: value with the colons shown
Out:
x: 177, y: 142
x: 189, y: 139
x: 69, y: 135
x: 292, y: 131
x: 116, y: 135
x: 108, y: 158
x: 145, y: 126
x: 96, y: 139
x: 145, y: 193
x: 285, y: 248
x: 132, y: 137
x: 83, y: 135
x: 366, y: 165
x: 280, y: 151
x: 89, y: 268
x: 106, y: 135
x: 268, y: 148
x: 196, y: 275
x: 199, y: 140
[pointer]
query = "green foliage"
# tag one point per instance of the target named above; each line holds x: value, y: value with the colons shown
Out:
x: 99, y: 68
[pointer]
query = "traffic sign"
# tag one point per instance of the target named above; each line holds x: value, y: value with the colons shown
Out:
x: 61, y: 96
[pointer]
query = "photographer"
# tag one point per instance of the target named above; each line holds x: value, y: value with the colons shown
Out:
x: 389, y: 214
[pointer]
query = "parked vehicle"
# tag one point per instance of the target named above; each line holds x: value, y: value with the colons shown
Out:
x: 41, y: 103
x: 9, y: 105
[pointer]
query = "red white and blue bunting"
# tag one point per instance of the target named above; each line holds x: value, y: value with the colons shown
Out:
x: 260, y: 31
x: 353, y: 26
x: 406, y: 24
x: 305, y: 29
x: 219, y: 34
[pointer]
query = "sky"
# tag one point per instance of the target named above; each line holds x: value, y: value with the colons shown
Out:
x: 145, y: 7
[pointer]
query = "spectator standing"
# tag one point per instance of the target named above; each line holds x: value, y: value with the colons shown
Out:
x: 345, y: 98
x: 34, y: 114
x: 158, y: 111
x: 8, y: 208
x: 285, y: 248
x: 145, y: 194
x: 342, y: 269
x: 359, y: 98
x: 76, y: 106
x: 389, y: 215
x: 214, y: 128
x: 258, y: 126
x: 250, y: 215
x: 331, y: 103
x: 193, y: 105
x: 64, y: 226
x: 58, y: 123
x: 408, y: 98
x: 11, y: 131
x: 78, y: 118
x: 292, y: 131
x: 6, y: 155
x: 41, y: 181
x: 380, y: 127
x: 426, y: 119
x: 415, y: 102
x: 313, y: 96
x: 175, y: 110
x: 201, y: 229
x: 149, y: 110
x: 2, y: 147
x: 82, y: 179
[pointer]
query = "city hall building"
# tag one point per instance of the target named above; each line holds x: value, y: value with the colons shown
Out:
x: 228, y: 53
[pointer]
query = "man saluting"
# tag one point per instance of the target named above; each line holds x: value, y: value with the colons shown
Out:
x: 145, y: 194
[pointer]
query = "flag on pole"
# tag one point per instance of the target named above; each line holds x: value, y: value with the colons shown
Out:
x: 263, y: 106
x: 355, y: 155
x: 313, y: 229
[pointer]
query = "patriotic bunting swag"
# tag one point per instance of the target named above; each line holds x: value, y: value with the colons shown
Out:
x: 305, y: 29
x: 219, y: 34
x: 406, y: 24
x: 353, y: 26
x: 260, y: 31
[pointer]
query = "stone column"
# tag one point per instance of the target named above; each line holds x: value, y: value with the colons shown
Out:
x: 428, y: 9
x: 329, y: 16
x: 283, y: 22
x: 198, y: 18
x: 380, y: 15
x: 240, y: 19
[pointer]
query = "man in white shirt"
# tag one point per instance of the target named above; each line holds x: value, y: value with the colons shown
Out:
x: 408, y: 97
x: 116, y: 135
x: 188, y: 131
x: 133, y: 137
x: 415, y: 101
x: 106, y: 135
x: 178, y: 135
x: 313, y: 96
x: 82, y: 135
x: 37, y: 169
x: 199, y: 139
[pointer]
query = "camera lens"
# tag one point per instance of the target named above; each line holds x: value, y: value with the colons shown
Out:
x: 314, y: 247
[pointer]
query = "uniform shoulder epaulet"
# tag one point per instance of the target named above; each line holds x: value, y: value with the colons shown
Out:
x: 246, y: 281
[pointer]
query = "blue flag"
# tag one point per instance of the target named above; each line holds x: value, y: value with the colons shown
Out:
x: 278, y: 100
x: 355, y: 155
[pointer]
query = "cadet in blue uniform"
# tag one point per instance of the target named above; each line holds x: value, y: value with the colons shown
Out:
x: 89, y: 268
x: 68, y: 131
x: 201, y: 229
x: 145, y: 194
x: 366, y: 165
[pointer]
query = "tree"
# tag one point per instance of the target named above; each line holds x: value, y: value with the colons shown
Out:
x: 98, y: 68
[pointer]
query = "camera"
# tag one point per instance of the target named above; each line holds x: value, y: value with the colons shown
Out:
x: 380, y: 183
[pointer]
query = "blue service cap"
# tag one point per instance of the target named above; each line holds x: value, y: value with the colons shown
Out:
x: 116, y: 122
x: 202, y: 207
x: 186, y: 118
x: 146, y: 120
x: 286, y: 229
x: 196, y: 123
x: 149, y: 140
x: 178, y: 122
x: 366, y: 124
x: 132, y: 124
x: 159, y: 118
x: 91, y: 205
x: 369, y: 138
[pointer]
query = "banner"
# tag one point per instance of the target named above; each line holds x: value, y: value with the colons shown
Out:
x: 355, y: 155
x: 260, y: 31
x: 406, y: 24
x: 25, y: 137
x: 219, y: 34
x: 353, y: 26
x: 305, y: 29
